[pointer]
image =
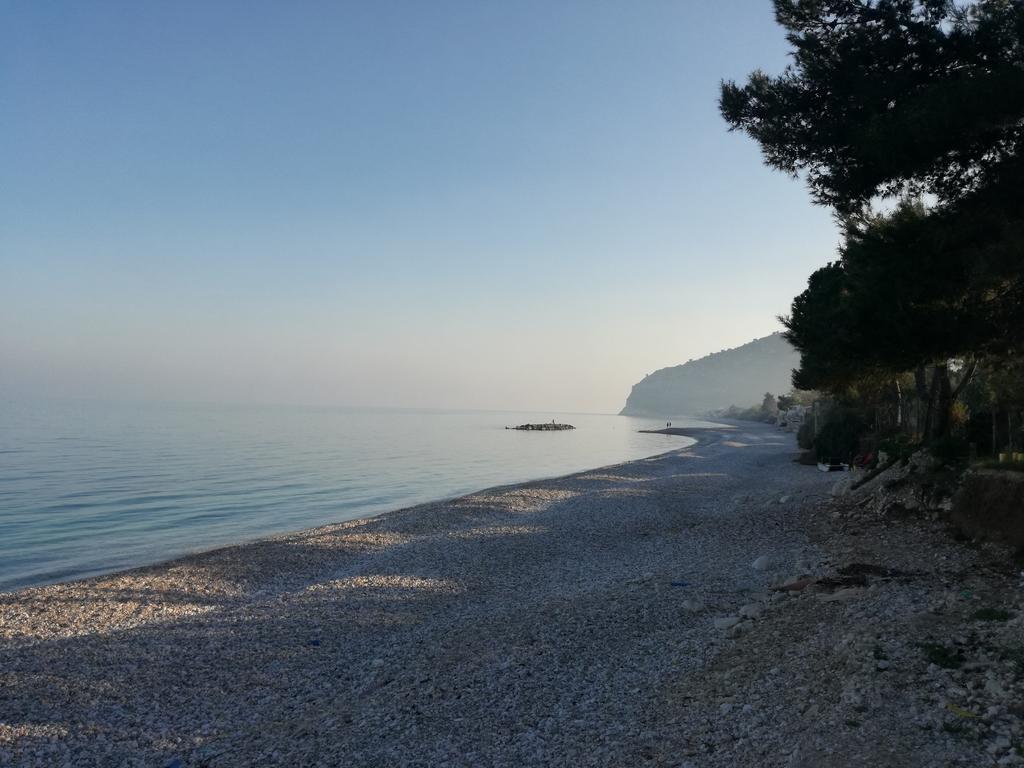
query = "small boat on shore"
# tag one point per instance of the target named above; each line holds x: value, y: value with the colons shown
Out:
x: 552, y: 427
x: 833, y: 466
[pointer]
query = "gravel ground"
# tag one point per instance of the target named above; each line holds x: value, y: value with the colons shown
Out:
x: 621, y: 616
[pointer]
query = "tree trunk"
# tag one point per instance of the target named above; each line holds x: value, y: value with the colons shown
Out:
x: 923, y: 398
x: 942, y: 422
x: 929, y: 411
x: 937, y: 421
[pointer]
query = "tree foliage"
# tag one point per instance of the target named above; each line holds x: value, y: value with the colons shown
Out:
x: 910, y: 288
x: 922, y: 100
x: 890, y: 97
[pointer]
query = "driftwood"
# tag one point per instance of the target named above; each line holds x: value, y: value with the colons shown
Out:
x: 552, y: 427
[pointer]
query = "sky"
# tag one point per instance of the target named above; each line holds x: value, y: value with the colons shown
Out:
x: 498, y: 205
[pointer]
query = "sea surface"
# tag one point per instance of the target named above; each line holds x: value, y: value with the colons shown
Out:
x: 89, y: 488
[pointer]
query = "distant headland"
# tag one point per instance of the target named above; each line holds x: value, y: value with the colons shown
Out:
x: 740, y: 375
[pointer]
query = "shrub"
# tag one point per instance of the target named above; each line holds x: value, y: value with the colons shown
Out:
x: 949, y: 450
x: 840, y: 435
x: 959, y: 418
x: 805, y: 436
x: 940, y: 655
x: 898, y: 448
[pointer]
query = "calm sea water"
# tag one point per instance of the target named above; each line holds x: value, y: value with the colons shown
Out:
x: 88, y: 488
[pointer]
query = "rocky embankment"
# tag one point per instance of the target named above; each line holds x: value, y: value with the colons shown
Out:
x: 714, y: 606
x: 902, y: 646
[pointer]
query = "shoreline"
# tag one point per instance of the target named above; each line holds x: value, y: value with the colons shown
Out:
x: 683, y: 431
x: 616, y: 616
x: 258, y: 538
x: 403, y: 580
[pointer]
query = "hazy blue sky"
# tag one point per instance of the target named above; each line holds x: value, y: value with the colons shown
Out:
x: 446, y: 204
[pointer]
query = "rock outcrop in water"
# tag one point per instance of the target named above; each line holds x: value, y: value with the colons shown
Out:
x: 552, y: 427
x: 737, y: 376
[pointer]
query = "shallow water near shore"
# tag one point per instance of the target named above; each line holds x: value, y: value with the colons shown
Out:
x: 88, y: 488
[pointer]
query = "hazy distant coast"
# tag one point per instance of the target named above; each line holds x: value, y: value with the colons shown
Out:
x: 731, y: 377
x: 618, y: 616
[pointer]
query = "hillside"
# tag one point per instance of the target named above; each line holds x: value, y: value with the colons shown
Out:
x: 737, y: 376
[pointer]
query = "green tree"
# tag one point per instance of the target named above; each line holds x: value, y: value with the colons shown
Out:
x: 896, y: 301
x: 1000, y: 390
x: 890, y: 97
x: 902, y: 98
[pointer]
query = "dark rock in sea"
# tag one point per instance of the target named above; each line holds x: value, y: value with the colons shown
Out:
x: 552, y: 427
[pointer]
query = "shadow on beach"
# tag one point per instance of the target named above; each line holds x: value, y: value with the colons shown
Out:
x: 403, y: 624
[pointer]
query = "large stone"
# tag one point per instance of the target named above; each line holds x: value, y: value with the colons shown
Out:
x: 739, y: 629
x: 752, y: 611
x: 842, y: 486
x: 841, y: 595
x: 988, y: 505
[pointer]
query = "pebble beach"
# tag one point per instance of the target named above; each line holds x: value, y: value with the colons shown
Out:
x: 629, y: 615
